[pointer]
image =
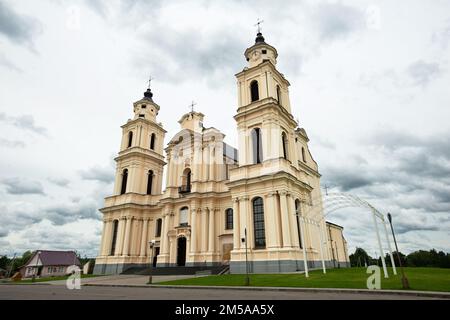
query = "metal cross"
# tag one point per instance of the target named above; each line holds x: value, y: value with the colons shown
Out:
x: 326, y: 189
x: 192, y: 105
x: 150, y: 81
x: 259, y: 25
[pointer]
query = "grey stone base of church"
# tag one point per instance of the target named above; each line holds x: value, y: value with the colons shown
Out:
x: 235, y: 267
x: 279, y: 266
x: 118, y: 268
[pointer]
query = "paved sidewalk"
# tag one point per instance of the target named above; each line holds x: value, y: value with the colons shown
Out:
x: 122, y: 280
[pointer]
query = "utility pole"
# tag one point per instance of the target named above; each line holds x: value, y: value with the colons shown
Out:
x: 405, y: 282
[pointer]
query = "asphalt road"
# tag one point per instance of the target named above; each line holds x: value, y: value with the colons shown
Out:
x: 51, y: 292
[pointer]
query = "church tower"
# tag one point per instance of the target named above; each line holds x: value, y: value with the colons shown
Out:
x: 276, y: 174
x: 130, y: 215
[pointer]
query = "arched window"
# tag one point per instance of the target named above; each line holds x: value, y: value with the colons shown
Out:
x: 114, y: 237
x: 150, y: 182
x: 297, y: 216
x: 124, y: 181
x: 279, y: 95
x: 254, y: 90
x: 184, y: 216
x: 285, y: 145
x: 130, y: 138
x: 158, y: 228
x: 258, y: 223
x: 186, y: 181
x: 303, y: 155
x: 229, y: 219
x: 152, y: 141
x: 257, y: 145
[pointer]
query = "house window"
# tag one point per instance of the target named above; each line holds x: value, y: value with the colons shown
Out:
x: 186, y: 181
x: 149, y: 182
x: 142, y: 116
x: 264, y: 51
x: 184, y: 216
x: 257, y: 145
x: 258, y: 223
x: 152, y: 141
x: 144, y: 106
x: 303, y: 155
x: 158, y: 228
x: 297, y: 216
x: 123, y: 190
x: 229, y: 219
x: 49, y: 269
x: 285, y: 146
x: 130, y: 138
x: 254, y: 90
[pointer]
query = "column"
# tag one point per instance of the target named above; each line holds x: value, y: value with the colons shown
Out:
x: 242, y: 216
x: 164, y: 237
x: 236, y: 225
x: 126, y: 246
x: 211, y: 162
x: 205, y: 229
x: 121, y: 233
x: 211, y: 230
x: 285, y: 220
x: 250, y: 229
x: 144, y: 243
x: 193, y: 230
x: 102, y: 242
x: 271, y: 225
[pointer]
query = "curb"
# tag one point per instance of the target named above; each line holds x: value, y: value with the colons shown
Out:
x: 432, y: 294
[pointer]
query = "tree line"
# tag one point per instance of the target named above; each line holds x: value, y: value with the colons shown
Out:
x: 420, y: 258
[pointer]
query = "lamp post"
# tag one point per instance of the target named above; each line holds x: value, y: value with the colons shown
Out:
x: 244, y: 240
x: 405, y: 282
x: 152, y: 248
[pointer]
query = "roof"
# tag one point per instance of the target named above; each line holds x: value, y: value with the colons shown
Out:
x: 334, y: 225
x: 56, y: 258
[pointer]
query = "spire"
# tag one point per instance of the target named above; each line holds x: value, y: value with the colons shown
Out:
x: 148, y: 94
x: 259, y: 36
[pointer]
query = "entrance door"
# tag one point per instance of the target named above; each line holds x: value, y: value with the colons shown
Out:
x: 181, y: 253
x: 155, y: 257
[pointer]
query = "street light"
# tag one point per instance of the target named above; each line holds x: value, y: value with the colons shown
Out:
x: 405, y: 282
x: 244, y: 240
x: 152, y: 248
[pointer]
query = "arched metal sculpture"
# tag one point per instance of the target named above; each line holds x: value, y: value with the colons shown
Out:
x: 332, y: 202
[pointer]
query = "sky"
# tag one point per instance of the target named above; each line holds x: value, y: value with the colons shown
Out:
x: 369, y: 83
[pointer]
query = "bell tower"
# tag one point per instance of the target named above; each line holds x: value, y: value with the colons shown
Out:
x: 141, y: 160
x: 270, y: 186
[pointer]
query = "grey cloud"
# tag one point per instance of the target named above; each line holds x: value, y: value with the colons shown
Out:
x: 11, y: 143
x: 62, y: 182
x: 17, y: 27
x: 101, y: 174
x: 65, y: 213
x: 19, y: 186
x: 422, y: 73
x: 24, y: 122
x: 336, y: 20
x: 6, y: 63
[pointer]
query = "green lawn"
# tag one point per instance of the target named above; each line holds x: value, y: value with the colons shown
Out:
x: 423, y: 279
x: 27, y: 281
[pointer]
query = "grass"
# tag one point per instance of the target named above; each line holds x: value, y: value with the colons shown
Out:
x: 422, y: 279
x: 27, y: 281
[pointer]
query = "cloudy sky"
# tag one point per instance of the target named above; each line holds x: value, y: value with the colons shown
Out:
x: 369, y: 82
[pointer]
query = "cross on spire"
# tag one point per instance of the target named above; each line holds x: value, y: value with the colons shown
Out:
x: 150, y: 81
x: 192, y: 105
x: 258, y: 24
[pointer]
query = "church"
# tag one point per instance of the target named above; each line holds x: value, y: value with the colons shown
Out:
x: 255, y: 208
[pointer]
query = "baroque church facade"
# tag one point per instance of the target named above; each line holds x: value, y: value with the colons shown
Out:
x: 258, y: 206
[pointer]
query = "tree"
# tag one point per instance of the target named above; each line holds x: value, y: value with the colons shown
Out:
x: 359, y: 258
x: 397, y: 263
x: 4, y: 262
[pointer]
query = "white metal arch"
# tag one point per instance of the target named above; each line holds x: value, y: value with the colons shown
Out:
x: 333, y: 202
